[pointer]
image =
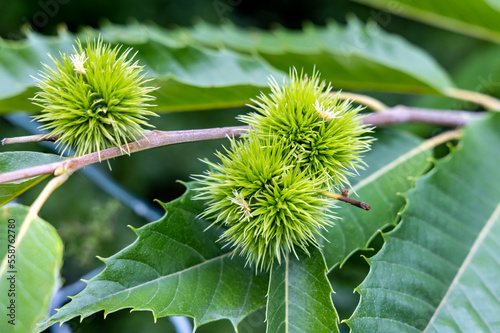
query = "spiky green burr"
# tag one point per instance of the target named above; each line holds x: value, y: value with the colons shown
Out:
x: 268, y: 205
x: 95, y: 98
x: 324, y: 134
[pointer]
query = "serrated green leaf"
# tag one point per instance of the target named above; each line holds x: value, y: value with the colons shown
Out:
x: 438, y: 270
x: 21, y: 60
x: 479, y: 72
x: 173, y: 268
x: 394, y: 158
x: 299, y: 296
x: 477, y: 18
x: 391, y: 145
x: 195, y: 73
x: 190, y: 78
x: 351, y: 57
x: 475, y: 291
x: 10, y: 161
x: 34, y: 271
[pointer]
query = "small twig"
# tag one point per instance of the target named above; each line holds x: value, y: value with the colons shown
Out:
x: 345, y: 198
x: 489, y: 102
x: 372, y: 103
x: 29, y: 138
x: 404, y: 114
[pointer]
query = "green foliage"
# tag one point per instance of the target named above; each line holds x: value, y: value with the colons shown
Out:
x: 295, y: 283
x: 193, y: 72
x: 481, y: 72
x: 181, y: 227
x: 11, y: 161
x: 94, y: 99
x: 189, y: 78
x: 351, y: 57
x: 394, y: 162
x: 457, y: 239
x: 37, y: 261
x: 179, y: 269
x: 476, y: 18
x: 437, y: 271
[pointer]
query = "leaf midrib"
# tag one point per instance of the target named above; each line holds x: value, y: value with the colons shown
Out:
x: 421, y: 148
x: 287, y: 320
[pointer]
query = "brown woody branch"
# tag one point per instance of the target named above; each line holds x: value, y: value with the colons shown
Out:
x: 29, y: 138
x: 395, y: 115
x: 404, y: 114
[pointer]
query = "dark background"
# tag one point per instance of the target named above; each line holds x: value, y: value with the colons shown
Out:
x: 94, y: 223
x: 45, y: 15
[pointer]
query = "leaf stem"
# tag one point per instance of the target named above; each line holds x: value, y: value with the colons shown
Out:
x: 403, y: 114
x: 60, y: 177
x: 489, y: 102
x: 372, y: 103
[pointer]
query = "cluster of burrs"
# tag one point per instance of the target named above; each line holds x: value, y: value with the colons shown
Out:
x: 270, y: 189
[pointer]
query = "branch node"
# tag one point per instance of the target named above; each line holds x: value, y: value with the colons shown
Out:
x: 59, y: 171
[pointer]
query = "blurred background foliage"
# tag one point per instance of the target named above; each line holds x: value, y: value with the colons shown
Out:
x: 93, y: 223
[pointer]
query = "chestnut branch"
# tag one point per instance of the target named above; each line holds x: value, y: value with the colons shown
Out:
x: 154, y: 139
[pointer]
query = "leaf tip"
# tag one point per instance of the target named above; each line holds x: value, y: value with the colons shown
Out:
x: 181, y: 182
x: 159, y: 201
x: 382, y: 233
x: 163, y: 204
x: 101, y: 259
x: 364, y: 257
